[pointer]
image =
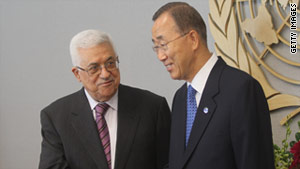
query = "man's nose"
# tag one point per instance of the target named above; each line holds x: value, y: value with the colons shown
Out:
x: 161, y: 55
x: 104, y: 73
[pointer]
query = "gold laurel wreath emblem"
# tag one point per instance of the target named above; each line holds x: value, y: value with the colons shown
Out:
x: 228, y: 44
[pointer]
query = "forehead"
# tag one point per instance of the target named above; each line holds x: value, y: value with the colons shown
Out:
x: 163, y: 27
x: 96, y: 54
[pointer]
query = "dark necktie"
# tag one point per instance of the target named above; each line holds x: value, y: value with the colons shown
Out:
x: 101, y: 109
x: 191, y: 112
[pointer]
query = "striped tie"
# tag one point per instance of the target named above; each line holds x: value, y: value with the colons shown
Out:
x: 101, y: 109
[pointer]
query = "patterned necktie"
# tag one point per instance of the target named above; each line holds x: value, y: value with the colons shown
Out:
x: 191, y: 112
x: 101, y: 109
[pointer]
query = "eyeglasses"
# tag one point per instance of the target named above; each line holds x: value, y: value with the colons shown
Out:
x: 110, y: 66
x: 164, y: 46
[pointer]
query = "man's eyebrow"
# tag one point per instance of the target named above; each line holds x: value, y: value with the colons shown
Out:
x: 93, y: 64
x: 109, y: 58
x: 160, y: 37
x: 96, y: 64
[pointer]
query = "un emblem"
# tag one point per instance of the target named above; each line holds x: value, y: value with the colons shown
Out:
x: 257, y: 37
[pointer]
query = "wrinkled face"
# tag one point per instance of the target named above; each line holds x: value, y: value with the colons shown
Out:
x: 177, y: 58
x: 101, y: 86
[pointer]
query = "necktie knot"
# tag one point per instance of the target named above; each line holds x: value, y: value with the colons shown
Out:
x: 101, y: 108
x: 191, y: 91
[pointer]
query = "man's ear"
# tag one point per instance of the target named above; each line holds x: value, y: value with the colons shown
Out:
x: 76, y: 73
x: 195, y: 39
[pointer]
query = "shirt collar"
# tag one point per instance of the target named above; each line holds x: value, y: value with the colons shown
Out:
x: 201, y: 77
x: 112, y: 102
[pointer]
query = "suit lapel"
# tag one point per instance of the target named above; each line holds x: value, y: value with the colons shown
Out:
x: 205, y: 110
x: 86, y: 128
x: 128, y: 120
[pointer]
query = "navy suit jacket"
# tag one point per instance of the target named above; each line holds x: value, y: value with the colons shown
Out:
x: 71, y: 140
x: 235, y: 133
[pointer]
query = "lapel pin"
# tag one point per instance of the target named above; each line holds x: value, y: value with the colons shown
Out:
x: 205, y: 110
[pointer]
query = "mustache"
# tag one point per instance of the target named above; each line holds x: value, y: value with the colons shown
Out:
x: 106, y: 80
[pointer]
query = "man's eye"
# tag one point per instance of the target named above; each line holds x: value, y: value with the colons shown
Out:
x: 93, y: 68
x: 110, y: 63
x: 163, y: 45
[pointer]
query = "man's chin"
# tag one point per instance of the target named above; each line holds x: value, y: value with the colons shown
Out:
x: 174, y: 76
x: 106, y: 94
x: 103, y: 98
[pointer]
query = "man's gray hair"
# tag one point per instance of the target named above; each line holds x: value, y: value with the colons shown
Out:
x: 87, y: 39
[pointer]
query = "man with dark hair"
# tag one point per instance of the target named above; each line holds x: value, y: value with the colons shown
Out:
x: 220, y: 116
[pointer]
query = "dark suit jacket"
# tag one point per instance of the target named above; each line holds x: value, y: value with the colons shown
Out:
x: 70, y: 136
x: 234, y: 134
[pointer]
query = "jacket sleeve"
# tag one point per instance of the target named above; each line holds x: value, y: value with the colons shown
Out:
x: 163, y: 134
x: 52, y: 155
x: 251, y: 131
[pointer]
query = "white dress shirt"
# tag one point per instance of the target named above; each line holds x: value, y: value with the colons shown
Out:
x: 199, y: 81
x: 111, y: 117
